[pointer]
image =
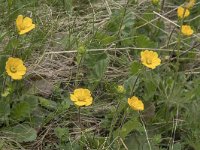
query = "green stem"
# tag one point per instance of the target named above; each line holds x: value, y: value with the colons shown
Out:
x: 121, y: 23
x: 179, y: 48
x: 4, y: 84
x: 79, y: 117
x: 145, y: 130
x: 114, y: 120
x: 123, y: 119
x: 126, y: 109
x: 77, y: 73
x: 175, y: 127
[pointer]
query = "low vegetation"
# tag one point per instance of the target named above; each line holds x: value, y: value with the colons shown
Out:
x: 103, y: 75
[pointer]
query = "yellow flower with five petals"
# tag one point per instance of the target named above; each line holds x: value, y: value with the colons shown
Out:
x: 183, y: 12
x: 186, y: 30
x: 81, y: 97
x: 150, y: 59
x: 24, y: 25
x: 15, y: 68
x: 135, y: 103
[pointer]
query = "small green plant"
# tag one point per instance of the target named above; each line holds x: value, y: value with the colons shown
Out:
x: 99, y: 75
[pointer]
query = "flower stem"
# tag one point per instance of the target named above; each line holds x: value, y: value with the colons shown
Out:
x: 79, y: 117
x: 146, y: 133
x: 114, y: 120
x: 77, y: 73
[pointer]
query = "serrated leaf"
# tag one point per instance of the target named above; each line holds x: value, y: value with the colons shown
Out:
x: 144, y: 42
x: 65, y: 104
x: 20, y: 110
x: 135, y: 67
x: 49, y: 104
x: 62, y: 133
x: 104, y: 38
x: 4, y: 109
x: 114, y: 23
x: 129, y: 126
x: 99, y: 69
x: 150, y: 89
x: 31, y: 100
x: 92, y: 58
x: 130, y: 83
x: 139, y: 142
x: 22, y: 133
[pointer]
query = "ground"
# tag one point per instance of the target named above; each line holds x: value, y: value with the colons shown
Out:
x: 97, y: 45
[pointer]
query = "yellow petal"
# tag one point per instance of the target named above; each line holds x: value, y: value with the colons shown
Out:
x: 27, y: 29
x: 16, y: 77
x: 73, y: 97
x: 182, y: 11
x: 135, y: 103
x: 88, y: 101
x: 18, y: 65
x: 27, y: 22
x: 19, y: 22
x: 79, y: 103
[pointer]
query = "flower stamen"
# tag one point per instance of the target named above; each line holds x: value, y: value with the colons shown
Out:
x: 13, y: 69
x: 148, y: 61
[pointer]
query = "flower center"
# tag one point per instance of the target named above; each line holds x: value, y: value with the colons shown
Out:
x: 81, y: 98
x: 13, y: 69
x: 149, y: 61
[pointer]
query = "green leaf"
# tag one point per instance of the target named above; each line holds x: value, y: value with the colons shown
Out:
x: 65, y: 104
x: 131, y: 84
x: 49, y: 104
x: 150, y: 89
x: 3, y: 60
x: 144, y: 42
x: 128, y: 127
x: 22, y: 133
x: 114, y: 23
x: 62, y: 133
x: 92, y: 58
x: 4, y: 109
x: 135, y: 67
x: 99, y: 69
x: 31, y: 100
x: 12, y: 44
x: 97, y: 64
x: 104, y: 38
x: 138, y: 142
x: 21, y: 110
x: 37, y: 118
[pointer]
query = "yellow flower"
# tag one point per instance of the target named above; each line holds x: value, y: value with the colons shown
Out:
x: 150, y: 59
x: 81, y: 97
x: 186, y: 30
x: 183, y: 12
x: 120, y: 89
x: 24, y: 25
x: 190, y: 4
x: 15, y: 68
x: 135, y: 103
